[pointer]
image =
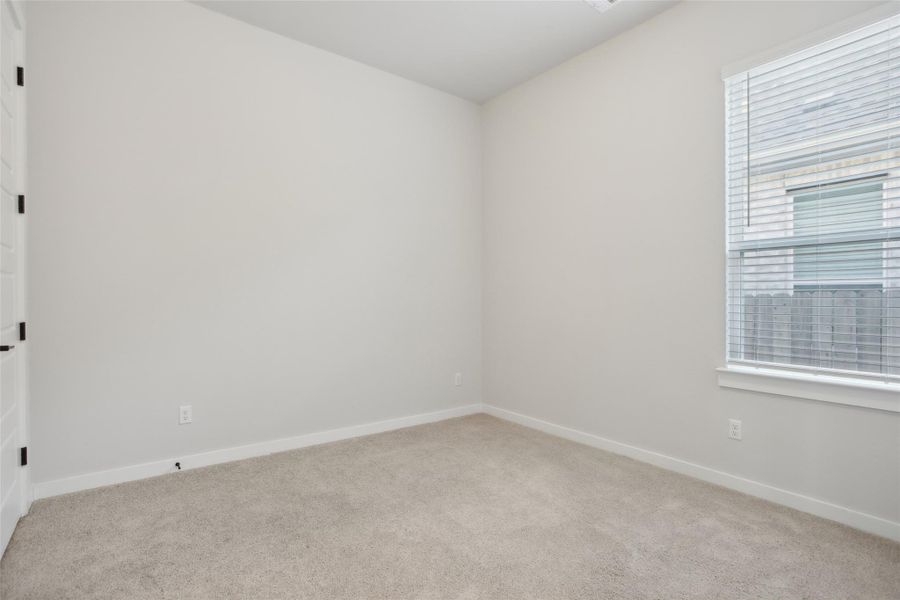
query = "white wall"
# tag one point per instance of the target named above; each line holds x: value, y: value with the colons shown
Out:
x: 291, y: 242
x: 285, y: 239
x: 604, y: 260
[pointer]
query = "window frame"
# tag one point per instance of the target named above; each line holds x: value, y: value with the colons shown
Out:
x: 867, y: 390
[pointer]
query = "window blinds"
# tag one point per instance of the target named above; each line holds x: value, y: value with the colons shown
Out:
x: 813, y: 208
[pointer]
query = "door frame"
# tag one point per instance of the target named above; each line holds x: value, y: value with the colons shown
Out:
x: 16, y: 9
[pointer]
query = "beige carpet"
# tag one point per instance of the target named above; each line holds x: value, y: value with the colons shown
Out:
x: 468, y: 508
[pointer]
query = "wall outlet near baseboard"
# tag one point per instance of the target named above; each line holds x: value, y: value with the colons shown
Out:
x: 734, y: 429
x: 185, y: 414
x: 457, y: 379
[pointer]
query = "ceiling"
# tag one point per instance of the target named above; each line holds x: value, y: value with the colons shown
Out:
x: 472, y: 49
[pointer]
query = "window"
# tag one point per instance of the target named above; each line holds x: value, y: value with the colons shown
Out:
x: 813, y: 208
x: 832, y: 210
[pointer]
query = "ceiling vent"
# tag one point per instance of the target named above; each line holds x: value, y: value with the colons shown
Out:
x: 602, y: 5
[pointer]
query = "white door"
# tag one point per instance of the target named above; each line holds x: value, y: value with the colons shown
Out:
x: 13, y: 413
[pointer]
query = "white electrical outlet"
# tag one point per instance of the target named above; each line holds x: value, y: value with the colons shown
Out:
x: 734, y: 429
x: 457, y: 379
x: 185, y: 414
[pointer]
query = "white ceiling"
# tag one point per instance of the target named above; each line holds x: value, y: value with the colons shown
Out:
x: 473, y: 49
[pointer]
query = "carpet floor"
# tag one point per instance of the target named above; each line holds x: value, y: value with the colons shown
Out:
x: 467, y: 508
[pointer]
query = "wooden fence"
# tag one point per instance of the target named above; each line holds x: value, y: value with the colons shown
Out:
x: 844, y: 329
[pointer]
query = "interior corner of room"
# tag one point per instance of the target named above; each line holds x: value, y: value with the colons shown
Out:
x: 381, y: 299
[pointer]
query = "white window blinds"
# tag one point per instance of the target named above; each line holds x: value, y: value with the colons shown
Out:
x: 813, y: 208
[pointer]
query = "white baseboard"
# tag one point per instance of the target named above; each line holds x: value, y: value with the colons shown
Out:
x: 87, y: 481
x: 820, y: 508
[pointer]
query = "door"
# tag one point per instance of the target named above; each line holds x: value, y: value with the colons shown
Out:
x: 13, y: 487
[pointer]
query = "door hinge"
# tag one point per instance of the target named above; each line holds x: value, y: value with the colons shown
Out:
x: 22, y: 331
x: 20, y: 76
x: 21, y: 204
x: 23, y: 456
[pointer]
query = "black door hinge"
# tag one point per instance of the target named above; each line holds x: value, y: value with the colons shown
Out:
x: 21, y: 204
x: 23, y: 456
x: 22, y: 331
x: 20, y: 76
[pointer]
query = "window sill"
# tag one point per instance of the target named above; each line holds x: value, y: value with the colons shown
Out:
x: 865, y: 393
